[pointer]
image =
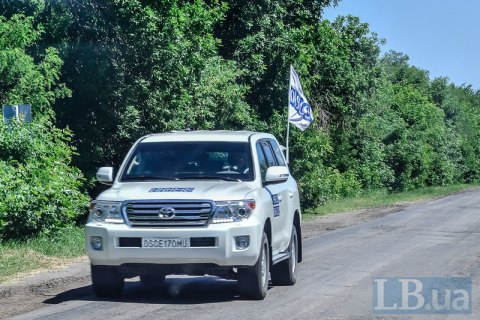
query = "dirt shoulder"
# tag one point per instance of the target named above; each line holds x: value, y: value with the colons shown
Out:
x: 23, y: 294
x: 321, y: 224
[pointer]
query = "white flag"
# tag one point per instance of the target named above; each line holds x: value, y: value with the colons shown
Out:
x: 299, y: 110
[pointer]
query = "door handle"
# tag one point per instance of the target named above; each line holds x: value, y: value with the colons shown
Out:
x: 290, y: 193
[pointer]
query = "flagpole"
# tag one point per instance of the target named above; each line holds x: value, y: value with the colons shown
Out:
x: 288, y: 116
x: 288, y: 137
x: 298, y: 107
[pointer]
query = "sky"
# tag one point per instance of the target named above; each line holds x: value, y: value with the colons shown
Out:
x: 441, y: 36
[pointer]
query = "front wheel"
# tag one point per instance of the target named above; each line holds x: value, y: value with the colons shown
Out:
x: 253, y: 281
x: 285, y: 273
x: 106, y: 281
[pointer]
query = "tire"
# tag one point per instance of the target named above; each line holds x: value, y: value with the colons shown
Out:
x: 253, y: 281
x: 152, y: 280
x: 106, y: 282
x: 284, y: 273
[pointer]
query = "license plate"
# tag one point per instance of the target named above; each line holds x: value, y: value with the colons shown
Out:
x: 165, y: 242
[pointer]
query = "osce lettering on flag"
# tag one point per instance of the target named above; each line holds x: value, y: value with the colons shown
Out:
x: 299, y: 110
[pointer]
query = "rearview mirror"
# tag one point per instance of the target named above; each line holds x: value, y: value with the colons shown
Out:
x: 277, y: 174
x: 105, y: 175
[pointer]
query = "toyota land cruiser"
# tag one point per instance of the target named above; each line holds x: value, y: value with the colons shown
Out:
x: 220, y: 203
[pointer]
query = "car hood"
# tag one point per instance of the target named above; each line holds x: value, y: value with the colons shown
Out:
x: 171, y: 190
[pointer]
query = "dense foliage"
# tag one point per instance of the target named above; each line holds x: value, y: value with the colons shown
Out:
x: 141, y: 66
x: 39, y: 190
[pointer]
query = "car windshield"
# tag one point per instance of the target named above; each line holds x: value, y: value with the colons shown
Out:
x: 229, y: 161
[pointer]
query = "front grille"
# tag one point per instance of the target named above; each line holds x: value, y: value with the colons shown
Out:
x: 149, y: 213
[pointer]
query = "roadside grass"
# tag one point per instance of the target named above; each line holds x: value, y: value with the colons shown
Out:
x: 382, y: 198
x: 41, y: 252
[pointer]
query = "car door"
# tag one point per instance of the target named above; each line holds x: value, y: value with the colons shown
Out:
x: 278, y: 193
x: 290, y: 189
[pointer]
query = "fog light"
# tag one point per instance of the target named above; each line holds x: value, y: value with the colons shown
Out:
x: 96, y: 243
x: 242, y: 242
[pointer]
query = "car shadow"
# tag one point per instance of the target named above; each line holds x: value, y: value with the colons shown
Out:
x: 175, y: 290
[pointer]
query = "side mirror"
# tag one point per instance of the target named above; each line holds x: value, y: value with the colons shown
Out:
x: 105, y: 175
x: 277, y: 174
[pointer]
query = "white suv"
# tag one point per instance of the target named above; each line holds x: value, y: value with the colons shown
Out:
x: 197, y: 202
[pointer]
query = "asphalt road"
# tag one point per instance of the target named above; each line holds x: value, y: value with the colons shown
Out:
x: 436, y: 239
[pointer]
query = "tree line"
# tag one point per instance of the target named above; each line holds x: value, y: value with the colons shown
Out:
x: 101, y: 73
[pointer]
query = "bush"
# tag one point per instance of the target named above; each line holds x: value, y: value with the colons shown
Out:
x: 39, y: 190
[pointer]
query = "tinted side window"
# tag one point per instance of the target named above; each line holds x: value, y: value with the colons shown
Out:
x: 278, y: 152
x: 269, y: 156
x: 262, y: 161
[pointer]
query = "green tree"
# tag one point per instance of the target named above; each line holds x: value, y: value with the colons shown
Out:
x: 140, y: 66
x: 39, y: 190
x: 137, y: 67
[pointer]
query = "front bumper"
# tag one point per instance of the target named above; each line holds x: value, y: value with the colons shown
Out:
x: 223, y: 253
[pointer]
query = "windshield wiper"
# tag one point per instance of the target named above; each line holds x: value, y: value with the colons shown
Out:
x: 147, y: 177
x: 209, y: 178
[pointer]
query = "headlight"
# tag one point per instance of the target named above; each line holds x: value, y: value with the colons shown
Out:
x: 232, y: 211
x: 105, y: 211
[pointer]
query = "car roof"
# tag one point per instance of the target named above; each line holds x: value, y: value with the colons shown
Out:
x: 202, y: 135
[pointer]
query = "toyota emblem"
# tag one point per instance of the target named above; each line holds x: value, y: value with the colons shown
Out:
x: 166, y: 213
